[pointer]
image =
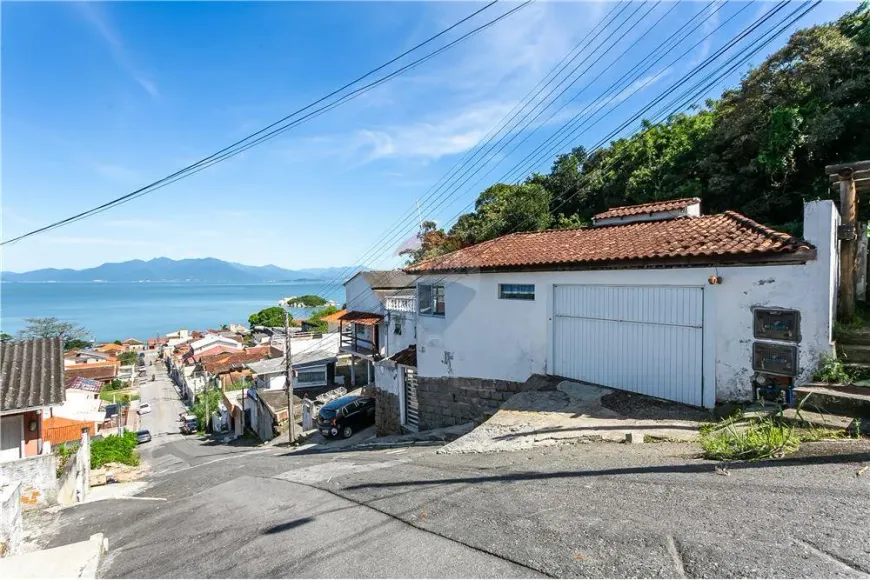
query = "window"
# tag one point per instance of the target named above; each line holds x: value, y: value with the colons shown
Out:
x: 516, y: 291
x: 398, y: 321
x: 311, y: 376
x: 431, y: 300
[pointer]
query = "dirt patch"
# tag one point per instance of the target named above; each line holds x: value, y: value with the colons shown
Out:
x: 635, y: 406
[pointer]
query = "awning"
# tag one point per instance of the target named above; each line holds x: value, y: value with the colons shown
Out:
x: 364, y: 318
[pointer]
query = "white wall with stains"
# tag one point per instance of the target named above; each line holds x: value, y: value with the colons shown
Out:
x: 482, y: 336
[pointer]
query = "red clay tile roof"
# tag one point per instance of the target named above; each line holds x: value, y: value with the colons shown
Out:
x: 407, y: 357
x: 335, y: 316
x: 97, y: 371
x: 707, y: 239
x: 647, y: 208
x: 221, y: 363
x: 366, y: 318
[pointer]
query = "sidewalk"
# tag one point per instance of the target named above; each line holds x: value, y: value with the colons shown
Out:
x: 79, y: 560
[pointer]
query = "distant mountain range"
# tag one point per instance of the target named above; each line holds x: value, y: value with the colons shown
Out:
x: 166, y: 270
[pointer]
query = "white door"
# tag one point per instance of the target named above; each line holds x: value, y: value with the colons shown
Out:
x: 645, y: 339
x: 11, y: 434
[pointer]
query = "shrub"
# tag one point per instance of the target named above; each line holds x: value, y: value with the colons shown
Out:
x: 831, y: 370
x: 114, y: 449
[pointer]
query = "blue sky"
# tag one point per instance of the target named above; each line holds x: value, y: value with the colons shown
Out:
x: 102, y: 98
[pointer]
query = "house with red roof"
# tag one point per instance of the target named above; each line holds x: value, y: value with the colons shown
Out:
x: 657, y: 299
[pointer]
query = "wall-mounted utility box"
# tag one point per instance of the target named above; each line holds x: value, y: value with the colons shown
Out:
x: 776, y: 324
x: 775, y: 359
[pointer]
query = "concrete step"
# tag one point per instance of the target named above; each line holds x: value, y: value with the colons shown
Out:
x: 846, y: 400
x: 854, y: 336
x: 825, y: 420
x: 853, y: 353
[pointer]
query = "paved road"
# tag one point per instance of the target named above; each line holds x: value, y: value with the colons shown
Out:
x: 165, y: 403
x: 594, y: 510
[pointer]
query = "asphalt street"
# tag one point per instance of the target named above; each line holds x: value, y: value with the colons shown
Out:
x: 589, y: 510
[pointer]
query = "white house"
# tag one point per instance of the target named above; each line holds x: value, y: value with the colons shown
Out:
x: 313, y: 365
x: 368, y: 328
x: 667, y: 303
x: 213, y: 340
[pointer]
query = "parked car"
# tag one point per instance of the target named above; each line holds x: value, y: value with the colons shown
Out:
x: 346, y: 415
x: 144, y: 409
x: 189, y: 425
x: 143, y: 436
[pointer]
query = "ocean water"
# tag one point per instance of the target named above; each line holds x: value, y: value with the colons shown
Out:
x: 118, y: 310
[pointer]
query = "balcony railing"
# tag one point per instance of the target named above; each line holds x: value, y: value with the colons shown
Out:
x: 350, y: 342
x: 402, y: 303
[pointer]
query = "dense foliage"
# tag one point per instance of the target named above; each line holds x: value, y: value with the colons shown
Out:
x: 114, y: 449
x: 128, y: 358
x: 208, y: 400
x: 760, y: 149
x: 318, y: 315
x: 270, y: 317
x: 309, y: 300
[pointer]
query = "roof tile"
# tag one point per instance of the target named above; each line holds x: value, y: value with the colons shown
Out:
x: 718, y: 238
x: 31, y: 373
x: 647, y: 208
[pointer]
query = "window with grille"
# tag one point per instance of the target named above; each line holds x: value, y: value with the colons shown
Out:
x: 516, y: 291
x: 398, y: 321
x: 311, y: 376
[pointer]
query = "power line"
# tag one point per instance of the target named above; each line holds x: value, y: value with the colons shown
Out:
x: 771, y: 35
x: 238, y: 146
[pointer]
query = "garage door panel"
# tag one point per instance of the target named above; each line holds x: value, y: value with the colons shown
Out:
x: 650, y: 304
x: 657, y: 354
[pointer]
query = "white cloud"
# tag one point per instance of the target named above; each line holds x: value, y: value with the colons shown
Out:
x: 116, y: 47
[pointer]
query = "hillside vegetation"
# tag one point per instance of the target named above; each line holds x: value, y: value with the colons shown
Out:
x: 760, y: 149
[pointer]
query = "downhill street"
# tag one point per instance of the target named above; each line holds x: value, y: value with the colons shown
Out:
x: 587, y: 510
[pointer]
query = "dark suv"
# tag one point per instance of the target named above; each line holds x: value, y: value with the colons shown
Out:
x: 346, y: 415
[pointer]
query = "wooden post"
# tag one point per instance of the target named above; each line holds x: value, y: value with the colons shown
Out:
x: 845, y: 175
x: 848, y: 247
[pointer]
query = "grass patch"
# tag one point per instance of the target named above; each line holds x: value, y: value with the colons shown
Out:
x: 118, y: 397
x: 753, y: 440
x: 114, y: 449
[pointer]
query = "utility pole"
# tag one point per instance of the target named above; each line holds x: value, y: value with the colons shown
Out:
x: 288, y: 380
x: 844, y: 175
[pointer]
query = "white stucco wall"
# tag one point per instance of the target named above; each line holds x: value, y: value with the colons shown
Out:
x: 387, y: 377
x: 392, y: 342
x: 359, y: 296
x: 484, y: 337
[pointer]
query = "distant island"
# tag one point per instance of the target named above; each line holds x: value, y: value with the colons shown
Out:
x: 189, y: 270
x: 307, y: 301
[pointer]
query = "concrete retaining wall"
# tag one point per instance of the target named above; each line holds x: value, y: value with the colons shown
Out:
x: 447, y: 401
x: 75, y: 481
x: 10, y: 518
x: 38, y: 477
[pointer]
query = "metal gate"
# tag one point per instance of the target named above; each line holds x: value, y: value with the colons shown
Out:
x: 645, y: 339
x: 412, y: 406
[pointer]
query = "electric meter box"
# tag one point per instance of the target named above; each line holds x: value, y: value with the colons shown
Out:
x: 775, y: 359
x: 776, y: 324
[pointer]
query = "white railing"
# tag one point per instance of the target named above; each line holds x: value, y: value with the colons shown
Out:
x: 402, y: 303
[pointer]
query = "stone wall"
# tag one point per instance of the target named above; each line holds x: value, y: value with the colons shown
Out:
x: 10, y: 518
x: 446, y: 401
x: 387, y: 418
x: 38, y: 477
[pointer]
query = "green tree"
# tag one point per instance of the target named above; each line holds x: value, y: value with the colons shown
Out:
x: 128, y: 358
x: 5, y: 337
x: 271, y: 317
x: 73, y: 335
x: 118, y: 342
x: 318, y: 315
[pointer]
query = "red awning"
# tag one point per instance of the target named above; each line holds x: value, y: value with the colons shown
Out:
x: 364, y: 318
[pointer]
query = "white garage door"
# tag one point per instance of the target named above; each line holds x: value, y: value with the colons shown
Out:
x: 646, y: 339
